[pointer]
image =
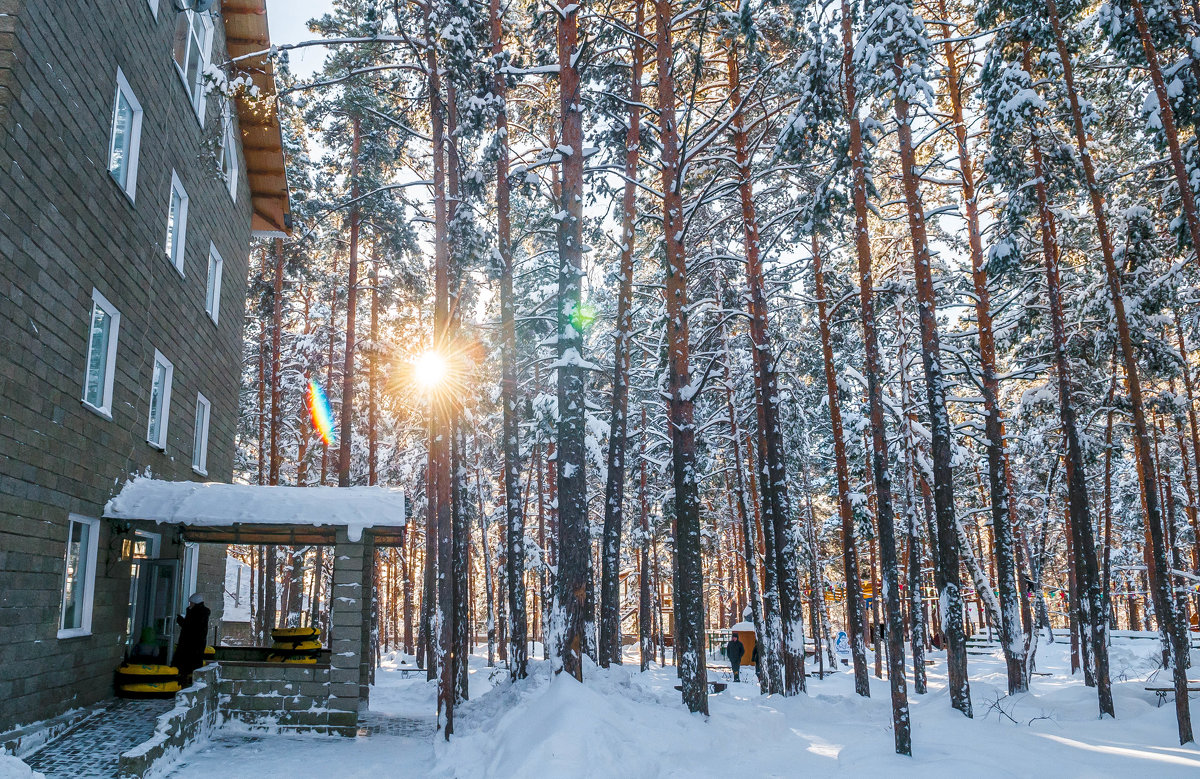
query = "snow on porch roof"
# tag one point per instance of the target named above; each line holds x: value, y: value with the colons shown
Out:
x: 243, y: 513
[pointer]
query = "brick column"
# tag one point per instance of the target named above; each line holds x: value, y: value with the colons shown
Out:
x: 346, y: 626
x: 366, y: 669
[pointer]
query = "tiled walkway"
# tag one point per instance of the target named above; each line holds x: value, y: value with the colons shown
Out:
x: 93, y: 749
x: 373, y: 724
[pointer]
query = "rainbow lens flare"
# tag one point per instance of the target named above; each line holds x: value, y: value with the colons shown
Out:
x: 320, y: 411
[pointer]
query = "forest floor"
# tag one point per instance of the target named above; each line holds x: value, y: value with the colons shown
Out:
x: 621, y: 723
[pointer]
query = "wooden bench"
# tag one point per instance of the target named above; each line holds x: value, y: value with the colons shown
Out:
x: 1162, y: 691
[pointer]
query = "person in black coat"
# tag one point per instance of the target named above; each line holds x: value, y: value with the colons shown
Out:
x: 193, y: 637
x: 734, y: 651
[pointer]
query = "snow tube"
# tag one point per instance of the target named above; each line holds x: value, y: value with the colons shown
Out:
x: 137, y: 673
x: 148, y: 690
x: 296, y: 634
x: 298, y: 647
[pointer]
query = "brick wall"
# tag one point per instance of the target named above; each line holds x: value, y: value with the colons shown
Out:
x: 66, y: 228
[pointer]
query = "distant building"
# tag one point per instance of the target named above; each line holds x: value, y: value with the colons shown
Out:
x: 129, y: 193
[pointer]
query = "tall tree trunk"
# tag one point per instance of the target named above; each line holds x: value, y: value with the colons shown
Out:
x: 940, y: 429
x: 347, y: 422
x: 514, y: 517
x: 689, y: 595
x: 879, y: 460
x: 1133, y: 385
x: 276, y: 377
x: 1077, y: 493
x: 773, y: 467
x: 614, y: 494
x: 645, y: 647
x: 442, y: 428
x: 855, y: 619
x: 574, y: 543
x: 1010, y: 597
x: 373, y: 376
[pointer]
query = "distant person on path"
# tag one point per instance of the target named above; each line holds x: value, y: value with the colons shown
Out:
x: 734, y: 652
x: 193, y: 633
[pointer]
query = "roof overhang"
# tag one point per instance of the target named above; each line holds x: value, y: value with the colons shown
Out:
x: 252, y: 514
x: 262, y: 139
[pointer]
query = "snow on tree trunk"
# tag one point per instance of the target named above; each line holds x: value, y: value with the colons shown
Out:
x: 574, y: 543
x: 879, y: 460
x: 689, y: 576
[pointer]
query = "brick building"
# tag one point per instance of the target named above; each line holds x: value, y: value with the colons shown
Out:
x: 129, y: 194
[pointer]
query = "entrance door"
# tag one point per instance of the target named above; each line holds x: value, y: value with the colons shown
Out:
x: 153, y: 607
x: 159, y: 601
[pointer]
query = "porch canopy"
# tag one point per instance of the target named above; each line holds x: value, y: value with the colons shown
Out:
x: 252, y: 514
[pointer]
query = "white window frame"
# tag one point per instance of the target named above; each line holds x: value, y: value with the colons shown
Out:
x: 189, y: 573
x: 135, y: 136
x: 165, y: 402
x: 200, y: 435
x: 212, y: 284
x: 110, y: 360
x: 89, y: 573
x: 175, y: 252
x: 228, y: 147
x: 197, y: 97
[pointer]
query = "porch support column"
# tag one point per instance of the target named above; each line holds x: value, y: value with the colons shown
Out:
x: 346, y: 628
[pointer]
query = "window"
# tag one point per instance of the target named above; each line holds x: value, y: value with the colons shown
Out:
x: 193, y: 40
x: 79, y: 577
x: 191, y: 567
x: 177, y: 210
x: 227, y: 160
x: 160, y: 400
x: 212, y: 294
x: 102, y: 355
x: 126, y: 137
x: 200, y: 436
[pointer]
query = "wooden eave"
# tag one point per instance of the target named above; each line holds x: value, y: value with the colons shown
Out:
x: 285, y: 535
x: 262, y: 139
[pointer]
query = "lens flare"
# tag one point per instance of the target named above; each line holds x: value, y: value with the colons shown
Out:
x: 430, y: 370
x: 320, y: 411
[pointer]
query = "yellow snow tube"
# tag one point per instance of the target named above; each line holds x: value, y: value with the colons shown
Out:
x: 296, y: 634
x: 301, y: 646
x: 129, y: 669
x: 151, y: 688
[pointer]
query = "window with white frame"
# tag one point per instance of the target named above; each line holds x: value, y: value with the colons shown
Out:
x: 191, y: 568
x: 227, y: 159
x: 212, y: 294
x: 160, y: 400
x: 200, y: 435
x: 177, y: 212
x: 193, y: 42
x: 79, y: 577
x: 103, y: 324
x: 126, y: 137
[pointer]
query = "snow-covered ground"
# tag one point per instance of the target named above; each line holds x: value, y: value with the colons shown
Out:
x: 621, y: 723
